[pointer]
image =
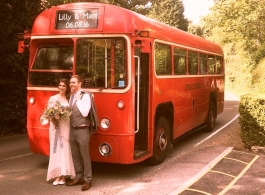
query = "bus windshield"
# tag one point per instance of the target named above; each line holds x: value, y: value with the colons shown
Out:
x: 101, y: 63
x: 50, y: 65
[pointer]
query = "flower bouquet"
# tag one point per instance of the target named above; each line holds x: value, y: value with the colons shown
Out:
x: 57, y: 113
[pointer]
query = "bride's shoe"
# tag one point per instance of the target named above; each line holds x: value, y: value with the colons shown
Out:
x: 62, y: 180
x: 56, y: 182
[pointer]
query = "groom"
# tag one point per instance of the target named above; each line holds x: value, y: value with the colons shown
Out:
x: 79, y: 135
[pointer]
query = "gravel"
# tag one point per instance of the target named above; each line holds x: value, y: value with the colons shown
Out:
x: 231, y: 137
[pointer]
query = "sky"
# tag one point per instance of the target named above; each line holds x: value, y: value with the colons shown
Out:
x: 194, y: 9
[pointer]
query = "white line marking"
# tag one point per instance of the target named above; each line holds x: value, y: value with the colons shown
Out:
x: 202, y: 172
x: 239, y: 176
x: 16, y: 157
x: 217, y: 130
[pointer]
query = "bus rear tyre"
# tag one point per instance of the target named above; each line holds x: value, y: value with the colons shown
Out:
x: 211, y: 117
x: 161, y: 143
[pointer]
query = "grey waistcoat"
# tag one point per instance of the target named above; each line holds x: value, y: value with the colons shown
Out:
x: 77, y: 118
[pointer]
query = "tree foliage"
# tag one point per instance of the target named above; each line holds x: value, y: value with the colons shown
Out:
x: 238, y: 25
x: 170, y: 12
x: 195, y: 30
x: 240, y: 21
x: 16, y: 16
x: 139, y: 6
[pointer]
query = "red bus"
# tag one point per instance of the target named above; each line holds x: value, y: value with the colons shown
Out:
x: 152, y: 83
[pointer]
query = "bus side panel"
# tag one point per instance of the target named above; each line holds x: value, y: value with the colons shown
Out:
x: 200, y: 94
x: 183, y: 111
x: 180, y: 98
x: 206, y: 85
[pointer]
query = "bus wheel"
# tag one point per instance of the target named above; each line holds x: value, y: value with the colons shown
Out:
x: 211, y: 117
x: 162, y: 142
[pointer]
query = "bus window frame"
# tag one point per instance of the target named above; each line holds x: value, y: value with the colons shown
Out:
x: 203, y: 70
x: 180, y: 56
x: 198, y: 51
x: 169, y: 59
x: 194, y: 57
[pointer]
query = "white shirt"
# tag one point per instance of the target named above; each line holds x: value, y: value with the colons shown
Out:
x: 84, y: 104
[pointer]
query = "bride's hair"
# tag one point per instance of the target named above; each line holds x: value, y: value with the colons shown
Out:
x: 68, y: 90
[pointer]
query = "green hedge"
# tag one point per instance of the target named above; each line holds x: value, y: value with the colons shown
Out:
x: 252, y: 120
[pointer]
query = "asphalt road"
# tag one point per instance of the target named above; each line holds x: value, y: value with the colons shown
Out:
x: 192, y: 158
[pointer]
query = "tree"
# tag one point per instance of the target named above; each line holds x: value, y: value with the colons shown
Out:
x: 195, y: 30
x: 239, y: 27
x: 170, y: 12
x: 238, y: 21
x: 16, y: 17
x: 49, y: 3
x: 139, y: 6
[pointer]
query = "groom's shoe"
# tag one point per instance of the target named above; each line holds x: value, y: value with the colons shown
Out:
x: 75, y: 182
x: 86, y: 185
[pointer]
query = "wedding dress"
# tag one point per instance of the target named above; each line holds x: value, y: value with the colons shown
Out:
x: 61, y: 162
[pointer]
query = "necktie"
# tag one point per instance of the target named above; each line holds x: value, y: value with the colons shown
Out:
x: 72, y: 99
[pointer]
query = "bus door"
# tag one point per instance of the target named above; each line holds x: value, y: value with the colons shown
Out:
x: 141, y: 102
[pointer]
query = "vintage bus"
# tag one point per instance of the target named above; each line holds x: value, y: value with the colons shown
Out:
x: 152, y: 83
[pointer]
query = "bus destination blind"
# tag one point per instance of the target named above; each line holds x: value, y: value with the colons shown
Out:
x: 76, y: 19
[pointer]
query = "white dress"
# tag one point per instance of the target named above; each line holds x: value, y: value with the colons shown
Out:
x: 61, y: 162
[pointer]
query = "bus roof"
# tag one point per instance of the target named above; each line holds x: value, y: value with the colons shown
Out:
x: 113, y: 19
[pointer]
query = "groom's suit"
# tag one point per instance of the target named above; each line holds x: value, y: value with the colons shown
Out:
x: 80, y: 139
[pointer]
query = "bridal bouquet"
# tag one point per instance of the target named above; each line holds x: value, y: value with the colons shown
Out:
x: 57, y: 113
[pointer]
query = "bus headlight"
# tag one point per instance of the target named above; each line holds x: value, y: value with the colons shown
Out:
x: 105, y: 123
x: 105, y: 149
x: 44, y: 120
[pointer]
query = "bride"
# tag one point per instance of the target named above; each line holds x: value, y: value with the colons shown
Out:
x: 60, y: 162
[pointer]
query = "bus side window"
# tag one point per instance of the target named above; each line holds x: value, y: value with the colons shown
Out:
x: 179, y: 61
x: 163, y: 59
x: 203, y: 63
x: 218, y: 64
x: 192, y: 63
x: 211, y: 64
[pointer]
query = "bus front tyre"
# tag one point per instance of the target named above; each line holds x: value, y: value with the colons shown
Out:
x: 161, y: 143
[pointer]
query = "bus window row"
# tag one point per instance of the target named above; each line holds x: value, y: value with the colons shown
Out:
x: 182, y: 61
